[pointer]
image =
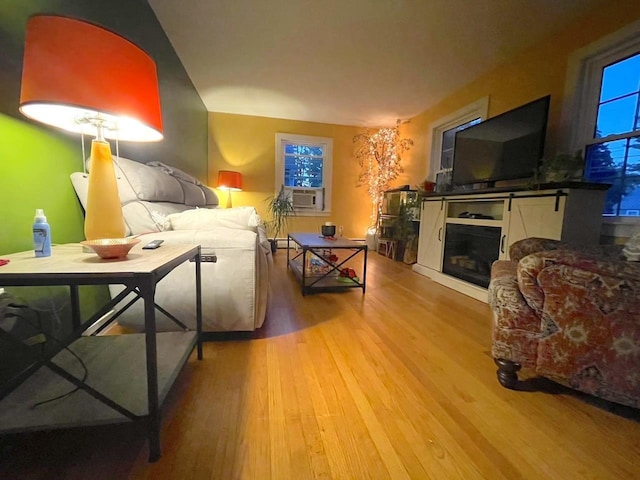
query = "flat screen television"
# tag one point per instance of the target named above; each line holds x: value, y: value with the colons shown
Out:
x: 506, y: 147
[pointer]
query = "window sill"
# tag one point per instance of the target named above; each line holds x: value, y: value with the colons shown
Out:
x: 312, y: 213
x: 619, y: 226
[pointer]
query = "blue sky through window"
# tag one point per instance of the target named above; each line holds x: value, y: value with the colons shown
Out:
x: 618, y: 161
x: 618, y: 109
x: 303, y: 165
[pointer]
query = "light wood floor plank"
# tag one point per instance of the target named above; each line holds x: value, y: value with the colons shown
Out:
x: 396, y: 383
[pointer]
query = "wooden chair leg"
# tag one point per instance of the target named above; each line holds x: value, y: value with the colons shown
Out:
x: 507, y: 372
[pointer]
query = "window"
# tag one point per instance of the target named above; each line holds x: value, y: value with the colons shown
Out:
x: 303, y: 167
x: 613, y: 149
x: 607, y: 119
x: 443, y: 138
x: 448, y: 143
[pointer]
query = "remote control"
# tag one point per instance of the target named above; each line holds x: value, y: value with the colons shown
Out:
x: 153, y: 244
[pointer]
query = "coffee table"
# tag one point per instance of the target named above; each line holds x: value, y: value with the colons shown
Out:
x: 313, y: 247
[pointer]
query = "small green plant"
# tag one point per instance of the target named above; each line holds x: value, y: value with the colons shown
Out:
x: 404, y: 229
x: 280, y: 207
x: 403, y: 223
x: 562, y: 166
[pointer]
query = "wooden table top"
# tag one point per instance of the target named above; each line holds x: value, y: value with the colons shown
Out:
x: 316, y: 240
x: 70, y: 259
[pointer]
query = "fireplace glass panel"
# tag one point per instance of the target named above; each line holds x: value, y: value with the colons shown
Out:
x: 469, y: 251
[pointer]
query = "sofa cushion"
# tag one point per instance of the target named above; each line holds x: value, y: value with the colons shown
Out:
x: 175, y: 172
x: 149, y: 194
x: 245, y: 218
x: 150, y: 184
x: 141, y: 216
x: 137, y: 181
x: 195, y: 192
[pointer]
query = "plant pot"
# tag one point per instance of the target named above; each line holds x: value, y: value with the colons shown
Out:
x: 556, y: 176
x: 274, y: 246
x: 372, y: 239
x: 400, y: 247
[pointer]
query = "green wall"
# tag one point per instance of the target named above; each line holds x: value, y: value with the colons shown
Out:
x: 36, y: 160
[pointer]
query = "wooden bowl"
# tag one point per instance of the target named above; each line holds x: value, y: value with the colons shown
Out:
x: 111, y: 247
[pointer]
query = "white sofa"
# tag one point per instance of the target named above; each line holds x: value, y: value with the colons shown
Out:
x: 162, y: 202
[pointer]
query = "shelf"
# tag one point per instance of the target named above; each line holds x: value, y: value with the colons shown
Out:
x: 117, y: 369
x: 329, y: 281
x: 480, y: 222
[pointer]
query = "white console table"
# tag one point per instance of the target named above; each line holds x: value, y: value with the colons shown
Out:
x: 570, y: 212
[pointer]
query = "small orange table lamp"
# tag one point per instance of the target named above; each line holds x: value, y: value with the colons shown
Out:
x: 85, y: 79
x: 231, y: 182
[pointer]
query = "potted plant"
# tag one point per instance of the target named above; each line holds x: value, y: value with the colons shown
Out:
x: 404, y: 230
x: 561, y: 167
x: 280, y: 207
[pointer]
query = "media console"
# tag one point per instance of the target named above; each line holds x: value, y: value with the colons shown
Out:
x: 463, y: 233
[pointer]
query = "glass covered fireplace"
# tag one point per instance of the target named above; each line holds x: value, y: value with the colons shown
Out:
x: 469, y: 251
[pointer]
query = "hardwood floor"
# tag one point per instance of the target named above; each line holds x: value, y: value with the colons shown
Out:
x: 394, y: 384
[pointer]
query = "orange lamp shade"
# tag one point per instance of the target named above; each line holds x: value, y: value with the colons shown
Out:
x: 73, y: 69
x: 228, y: 180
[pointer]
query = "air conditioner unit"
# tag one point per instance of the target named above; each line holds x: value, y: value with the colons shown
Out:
x: 307, y: 198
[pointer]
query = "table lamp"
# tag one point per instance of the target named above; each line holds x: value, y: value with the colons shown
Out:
x: 85, y: 79
x: 231, y: 182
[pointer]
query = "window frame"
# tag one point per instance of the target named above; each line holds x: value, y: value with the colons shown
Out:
x: 327, y: 167
x: 583, y: 85
x: 479, y: 108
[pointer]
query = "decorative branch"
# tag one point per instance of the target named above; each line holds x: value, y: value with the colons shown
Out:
x: 379, y: 154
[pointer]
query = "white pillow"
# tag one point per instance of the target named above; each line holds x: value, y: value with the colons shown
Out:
x: 245, y: 218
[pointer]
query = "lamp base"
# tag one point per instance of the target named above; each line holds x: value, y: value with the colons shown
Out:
x: 229, y: 199
x: 103, y: 217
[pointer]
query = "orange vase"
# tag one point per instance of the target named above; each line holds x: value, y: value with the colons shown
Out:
x: 103, y: 218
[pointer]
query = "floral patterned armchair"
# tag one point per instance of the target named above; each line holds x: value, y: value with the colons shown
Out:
x: 570, y: 315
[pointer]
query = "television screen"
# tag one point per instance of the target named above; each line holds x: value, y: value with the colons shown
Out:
x: 505, y: 147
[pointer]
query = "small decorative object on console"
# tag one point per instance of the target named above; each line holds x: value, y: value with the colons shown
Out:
x: 631, y: 249
x: 426, y: 186
x: 475, y: 215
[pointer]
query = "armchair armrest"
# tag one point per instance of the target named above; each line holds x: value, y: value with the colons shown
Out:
x: 516, y: 327
x: 527, y: 246
x: 531, y: 266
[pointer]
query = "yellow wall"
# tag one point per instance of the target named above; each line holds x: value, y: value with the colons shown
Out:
x: 536, y: 72
x: 247, y: 144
